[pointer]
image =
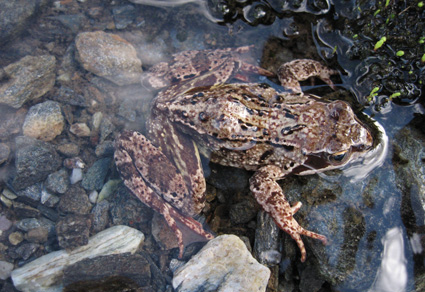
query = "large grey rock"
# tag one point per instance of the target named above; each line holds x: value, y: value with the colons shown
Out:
x: 34, y: 161
x: 46, y: 272
x: 27, y: 79
x: 224, y: 264
x: 44, y: 121
x: 109, y: 56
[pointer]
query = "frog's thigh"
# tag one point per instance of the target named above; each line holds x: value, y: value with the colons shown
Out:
x: 180, y: 149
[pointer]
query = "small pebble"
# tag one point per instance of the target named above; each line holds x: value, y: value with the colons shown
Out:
x: 76, y: 176
x: 16, y: 238
x: 4, y: 223
x: 80, y: 130
x: 96, y: 120
x: 9, y: 194
x: 4, y: 152
x: 6, y: 269
x: 69, y: 149
x: 93, y: 196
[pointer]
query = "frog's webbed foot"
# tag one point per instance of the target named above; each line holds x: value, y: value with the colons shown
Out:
x: 291, y: 73
x: 271, y: 197
x: 149, y: 175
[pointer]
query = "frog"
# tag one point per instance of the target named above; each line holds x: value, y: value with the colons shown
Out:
x: 208, y: 105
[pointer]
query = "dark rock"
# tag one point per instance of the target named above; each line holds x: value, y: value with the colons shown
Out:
x: 28, y: 79
x: 14, y: 17
x: 44, y: 121
x: 11, y: 122
x: 73, y: 230
x: 24, y: 211
x: 35, y: 160
x: 242, y: 212
x: 105, y: 148
x: 127, y: 110
x: 124, y: 15
x: 95, y: 175
x: 228, y: 178
x: 4, y: 152
x: 68, y: 149
x: 75, y: 200
x: 69, y: 96
x: 267, y: 244
x: 48, y: 212
x: 23, y: 251
x: 33, y: 193
x: 37, y: 235
x: 106, y: 128
x: 121, y: 272
x: 5, y: 223
x: 58, y: 182
x: 28, y: 224
x: 100, y: 216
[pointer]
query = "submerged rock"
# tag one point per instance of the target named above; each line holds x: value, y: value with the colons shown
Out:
x: 46, y: 272
x: 95, y: 175
x: 224, y: 264
x: 44, y: 121
x: 28, y: 79
x: 109, y: 56
x: 73, y: 230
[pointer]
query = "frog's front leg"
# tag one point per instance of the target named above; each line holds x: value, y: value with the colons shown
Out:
x: 271, y: 197
x: 151, y: 177
x: 291, y: 73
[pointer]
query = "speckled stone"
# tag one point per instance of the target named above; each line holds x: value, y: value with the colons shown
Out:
x: 58, y: 182
x: 44, y: 121
x: 109, y: 56
x: 223, y: 264
x: 4, y: 152
x: 75, y: 200
x: 94, y: 178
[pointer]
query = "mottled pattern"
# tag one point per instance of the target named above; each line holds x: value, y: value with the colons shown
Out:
x: 244, y: 125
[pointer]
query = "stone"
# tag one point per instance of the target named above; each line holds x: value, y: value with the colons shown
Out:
x: 68, y: 149
x: 105, y: 148
x: 44, y: 121
x: 5, y: 270
x: 28, y: 224
x: 24, y: 251
x: 11, y: 121
x: 75, y: 200
x: 34, y: 161
x: 223, y: 264
x: 109, y: 56
x: 73, y: 230
x: 108, y: 188
x: 267, y: 245
x: 28, y: 79
x: 106, y: 128
x: 242, y: 212
x: 76, y: 176
x: 124, y: 15
x: 80, y: 130
x: 95, y: 176
x: 58, y: 182
x: 4, y: 152
x: 124, y: 272
x: 16, y: 237
x: 69, y: 96
x: 100, y: 216
x: 24, y: 211
x: 5, y: 223
x: 46, y: 272
x: 33, y: 193
x: 37, y: 235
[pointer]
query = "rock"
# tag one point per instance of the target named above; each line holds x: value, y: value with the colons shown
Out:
x: 267, y: 244
x: 124, y: 15
x: 108, y: 188
x: 33, y: 193
x: 5, y: 223
x: 68, y: 149
x: 105, y: 148
x: 5, y: 270
x: 80, y: 130
x: 73, y: 230
x: 75, y: 200
x: 109, y: 56
x: 93, y: 197
x: 69, y: 96
x: 242, y: 212
x: 12, y: 121
x: 123, y: 272
x: 24, y: 251
x: 162, y: 233
x: 46, y: 272
x: 96, y: 120
x: 15, y: 15
x: 223, y: 264
x: 58, y: 182
x: 24, y: 211
x: 37, y: 235
x: 106, y: 128
x: 16, y: 237
x: 28, y: 224
x: 95, y: 175
x: 76, y: 176
x: 4, y: 152
x: 100, y: 216
x: 34, y: 161
x: 28, y: 79
x: 44, y: 121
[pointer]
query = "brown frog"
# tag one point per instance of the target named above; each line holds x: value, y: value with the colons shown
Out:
x: 244, y: 125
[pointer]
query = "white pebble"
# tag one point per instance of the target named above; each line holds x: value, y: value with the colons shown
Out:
x: 76, y: 175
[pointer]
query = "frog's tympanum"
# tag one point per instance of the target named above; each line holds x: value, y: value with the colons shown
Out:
x: 245, y: 125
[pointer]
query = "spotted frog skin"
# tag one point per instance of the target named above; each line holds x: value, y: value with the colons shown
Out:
x: 244, y: 125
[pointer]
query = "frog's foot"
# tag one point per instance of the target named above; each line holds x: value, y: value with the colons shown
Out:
x: 151, y: 177
x: 271, y: 197
x: 291, y: 73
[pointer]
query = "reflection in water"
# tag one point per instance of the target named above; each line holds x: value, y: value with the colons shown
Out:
x: 392, y: 275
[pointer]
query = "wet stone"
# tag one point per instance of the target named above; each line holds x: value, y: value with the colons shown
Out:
x: 68, y: 149
x: 49, y: 213
x: 24, y: 251
x: 100, y: 216
x: 75, y: 200
x: 12, y: 121
x: 48, y: 199
x: 94, y: 178
x: 106, y: 128
x: 73, y: 230
x: 28, y: 79
x: 44, y: 121
x: 33, y: 193
x: 58, y: 182
x: 28, y: 224
x: 34, y: 161
x: 127, y: 110
x: 242, y: 212
x: 267, y: 244
x: 80, y: 130
x: 24, y: 211
x: 5, y: 223
x: 16, y: 237
x: 124, y: 15
x: 4, y: 152
x: 37, y: 235
x: 105, y: 148
x: 69, y: 96
x: 109, y: 56
x: 6, y: 269
x: 121, y: 272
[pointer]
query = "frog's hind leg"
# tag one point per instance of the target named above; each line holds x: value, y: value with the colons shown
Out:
x: 271, y: 197
x: 291, y: 73
x: 132, y: 167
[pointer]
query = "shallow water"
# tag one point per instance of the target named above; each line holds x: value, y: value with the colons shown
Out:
x: 374, y: 222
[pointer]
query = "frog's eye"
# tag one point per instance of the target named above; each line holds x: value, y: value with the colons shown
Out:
x: 339, y: 157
